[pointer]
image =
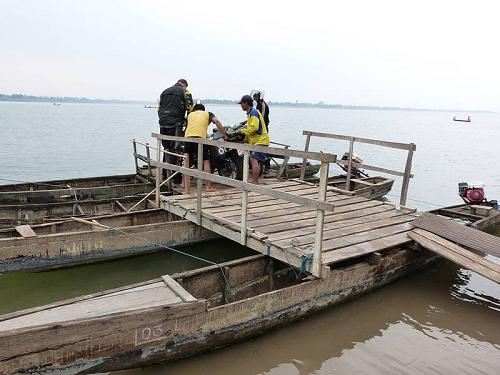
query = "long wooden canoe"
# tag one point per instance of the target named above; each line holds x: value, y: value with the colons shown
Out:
x: 74, y: 189
x: 67, y: 242
x: 179, y: 316
x: 18, y: 214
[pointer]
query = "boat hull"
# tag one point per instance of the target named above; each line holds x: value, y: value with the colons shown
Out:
x: 139, y: 233
x: 169, y: 333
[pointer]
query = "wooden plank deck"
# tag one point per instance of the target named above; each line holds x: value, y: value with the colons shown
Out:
x: 287, y: 231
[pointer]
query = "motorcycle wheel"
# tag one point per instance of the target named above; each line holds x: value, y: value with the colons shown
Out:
x: 228, y: 169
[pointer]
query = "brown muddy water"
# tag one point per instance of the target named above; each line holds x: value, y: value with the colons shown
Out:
x: 442, y: 320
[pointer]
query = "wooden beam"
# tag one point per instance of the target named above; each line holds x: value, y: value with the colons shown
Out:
x: 349, y: 165
x: 320, y: 216
x: 457, y: 254
x: 135, y: 157
x: 306, y: 202
x: 178, y: 289
x: 159, y: 172
x: 199, y: 183
x: 406, y: 178
x: 374, y: 168
x: 304, y: 160
x: 402, y: 146
x: 321, y: 156
x: 244, y: 199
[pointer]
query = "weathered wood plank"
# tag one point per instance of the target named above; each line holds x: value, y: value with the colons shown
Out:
x: 345, y: 231
x: 312, y: 203
x: 178, y: 289
x: 458, y: 233
x: 367, y: 236
x: 308, y: 229
x: 357, y: 250
x: 25, y: 231
x: 320, y: 156
x: 457, y: 254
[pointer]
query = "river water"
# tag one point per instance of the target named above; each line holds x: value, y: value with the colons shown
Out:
x: 442, y: 320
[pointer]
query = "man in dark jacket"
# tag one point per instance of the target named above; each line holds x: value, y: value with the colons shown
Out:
x: 263, y: 108
x: 174, y: 102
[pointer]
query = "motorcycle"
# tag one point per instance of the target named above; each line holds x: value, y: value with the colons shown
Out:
x: 227, y: 162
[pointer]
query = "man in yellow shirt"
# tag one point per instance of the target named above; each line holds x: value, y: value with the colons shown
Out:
x: 255, y: 134
x: 197, y: 126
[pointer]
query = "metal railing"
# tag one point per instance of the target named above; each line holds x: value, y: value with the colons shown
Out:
x: 406, y: 174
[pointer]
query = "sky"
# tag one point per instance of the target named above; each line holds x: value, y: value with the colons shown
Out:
x: 422, y: 54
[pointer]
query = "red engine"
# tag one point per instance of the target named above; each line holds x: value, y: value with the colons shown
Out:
x: 472, y: 192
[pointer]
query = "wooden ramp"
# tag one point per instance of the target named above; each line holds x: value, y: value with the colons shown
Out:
x: 457, y: 254
x: 287, y: 231
x: 469, y: 237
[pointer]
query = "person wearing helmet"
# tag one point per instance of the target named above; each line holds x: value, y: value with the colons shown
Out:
x: 174, y: 103
x: 255, y: 134
x: 263, y: 108
x: 197, y: 126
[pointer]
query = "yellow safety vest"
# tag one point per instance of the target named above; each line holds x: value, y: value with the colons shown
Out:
x: 197, y: 124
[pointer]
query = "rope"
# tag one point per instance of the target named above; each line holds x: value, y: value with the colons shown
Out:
x: 171, y: 249
x: 417, y: 200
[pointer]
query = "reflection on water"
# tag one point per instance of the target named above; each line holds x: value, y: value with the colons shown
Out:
x: 425, y: 323
x: 23, y: 290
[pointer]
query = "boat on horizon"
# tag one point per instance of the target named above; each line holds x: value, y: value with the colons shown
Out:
x: 462, y: 120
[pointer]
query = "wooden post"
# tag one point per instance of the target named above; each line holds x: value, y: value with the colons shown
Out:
x: 244, y: 199
x: 199, y: 186
x: 349, y: 166
x: 304, y: 161
x: 284, y: 166
x: 406, y: 177
x: 135, y: 157
x: 159, y: 172
x: 186, y: 180
x: 320, y: 215
x: 148, y: 154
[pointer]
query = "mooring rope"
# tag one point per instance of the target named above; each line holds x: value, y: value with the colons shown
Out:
x: 226, y: 281
x: 417, y: 200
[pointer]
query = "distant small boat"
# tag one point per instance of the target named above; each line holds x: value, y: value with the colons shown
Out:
x: 56, y: 103
x: 462, y: 120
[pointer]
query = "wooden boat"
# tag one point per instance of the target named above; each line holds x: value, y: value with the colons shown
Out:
x: 462, y: 120
x: 90, y: 188
x: 292, y: 170
x: 19, y: 214
x: 367, y: 187
x: 68, y: 242
x: 482, y: 217
x: 174, y: 317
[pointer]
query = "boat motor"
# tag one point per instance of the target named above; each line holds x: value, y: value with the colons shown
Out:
x: 354, y: 170
x: 472, y: 192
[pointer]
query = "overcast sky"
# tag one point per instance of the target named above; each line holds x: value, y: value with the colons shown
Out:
x: 433, y: 54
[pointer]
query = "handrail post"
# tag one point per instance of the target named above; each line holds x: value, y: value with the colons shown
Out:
x: 159, y: 172
x: 349, y: 166
x: 135, y: 157
x: 284, y: 166
x: 406, y: 177
x: 244, y: 199
x: 148, y: 154
x: 185, y: 178
x: 320, y: 217
x: 199, y: 186
x: 304, y: 161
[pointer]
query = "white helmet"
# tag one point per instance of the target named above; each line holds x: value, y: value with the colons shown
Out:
x: 257, y: 91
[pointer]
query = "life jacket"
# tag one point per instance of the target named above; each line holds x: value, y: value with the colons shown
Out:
x: 172, y: 107
x: 197, y: 124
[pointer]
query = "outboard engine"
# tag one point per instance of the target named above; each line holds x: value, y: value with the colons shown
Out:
x: 472, y: 192
x: 355, y: 159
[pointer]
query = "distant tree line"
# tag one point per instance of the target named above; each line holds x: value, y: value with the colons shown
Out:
x: 62, y: 99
